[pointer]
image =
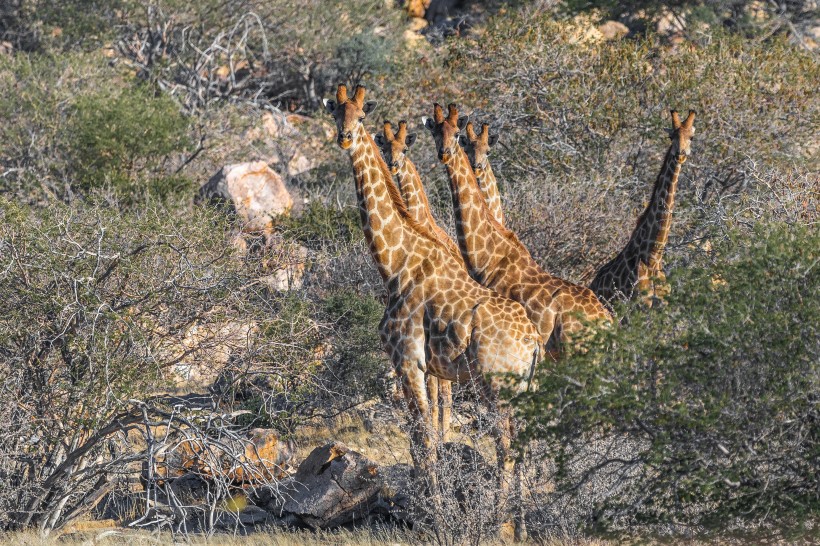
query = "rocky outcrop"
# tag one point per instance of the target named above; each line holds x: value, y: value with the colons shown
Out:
x: 332, y: 487
x: 252, y: 191
x: 259, y: 458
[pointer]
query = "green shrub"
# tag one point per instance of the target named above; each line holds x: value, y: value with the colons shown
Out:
x: 716, y: 391
x: 320, y: 224
x: 122, y: 139
x: 358, y: 358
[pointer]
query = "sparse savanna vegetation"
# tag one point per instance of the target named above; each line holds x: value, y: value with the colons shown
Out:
x: 169, y: 357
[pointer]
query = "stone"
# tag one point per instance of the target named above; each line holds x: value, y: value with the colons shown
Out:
x: 6, y: 48
x: 277, y: 125
x: 439, y: 10
x: 613, y: 30
x: 204, y: 350
x: 253, y: 191
x: 669, y: 24
x: 190, y: 489
x: 332, y: 487
x: 299, y: 164
x: 288, y: 270
x: 266, y: 457
x: 416, y: 8
x: 259, y: 458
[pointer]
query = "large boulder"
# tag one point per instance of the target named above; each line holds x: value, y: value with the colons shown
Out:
x: 253, y: 191
x: 332, y: 487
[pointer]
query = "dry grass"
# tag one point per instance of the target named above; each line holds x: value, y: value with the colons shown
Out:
x: 117, y: 537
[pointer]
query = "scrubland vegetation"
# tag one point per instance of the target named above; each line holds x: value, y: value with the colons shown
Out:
x: 120, y: 296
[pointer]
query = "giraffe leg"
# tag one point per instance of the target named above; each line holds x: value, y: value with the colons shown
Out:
x: 433, y: 383
x: 446, y: 401
x: 415, y: 392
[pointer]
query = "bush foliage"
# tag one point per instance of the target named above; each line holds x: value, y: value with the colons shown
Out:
x: 717, y: 390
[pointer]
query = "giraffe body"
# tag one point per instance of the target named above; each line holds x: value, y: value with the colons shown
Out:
x: 637, y: 271
x: 394, y: 148
x: 494, y: 255
x: 470, y: 333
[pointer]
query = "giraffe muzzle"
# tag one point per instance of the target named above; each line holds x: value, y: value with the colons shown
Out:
x: 445, y: 155
x: 345, y: 140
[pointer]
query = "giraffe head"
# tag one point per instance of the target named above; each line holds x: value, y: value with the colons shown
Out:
x: 681, y: 134
x: 349, y: 113
x: 477, y: 146
x: 394, y: 146
x: 445, y: 130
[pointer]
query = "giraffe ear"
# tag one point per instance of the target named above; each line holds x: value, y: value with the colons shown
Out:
x: 410, y: 139
x: 463, y: 141
x: 330, y: 105
x: 427, y: 122
x: 369, y: 106
x: 378, y: 138
x: 462, y: 122
x: 492, y: 140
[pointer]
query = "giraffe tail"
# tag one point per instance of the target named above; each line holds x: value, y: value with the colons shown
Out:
x: 536, y: 354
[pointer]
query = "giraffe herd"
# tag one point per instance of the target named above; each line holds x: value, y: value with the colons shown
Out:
x: 478, y: 309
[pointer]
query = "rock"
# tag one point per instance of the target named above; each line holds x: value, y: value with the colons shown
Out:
x: 205, y: 349
x: 669, y: 24
x: 416, y: 8
x: 190, y: 489
x: 288, y: 270
x: 6, y: 48
x: 266, y: 458
x: 253, y: 515
x: 277, y: 125
x: 258, y: 459
x: 332, y: 487
x: 253, y: 191
x: 439, y: 10
x: 613, y: 30
x: 299, y: 164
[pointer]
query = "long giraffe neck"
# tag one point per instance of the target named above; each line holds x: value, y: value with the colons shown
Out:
x: 652, y: 231
x: 385, y: 220
x: 489, y: 189
x: 412, y: 191
x: 478, y: 234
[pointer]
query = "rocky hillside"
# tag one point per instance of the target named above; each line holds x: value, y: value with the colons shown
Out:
x: 189, y: 318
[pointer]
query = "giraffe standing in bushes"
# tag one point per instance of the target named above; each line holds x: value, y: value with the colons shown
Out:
x: 639, y: 265
x: 494, y: 255
x: 394, y: 148
x: 477, y: 147
x: 470, y: 333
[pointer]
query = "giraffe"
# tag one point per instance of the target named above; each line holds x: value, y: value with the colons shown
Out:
x: 477, y: 147
x: 639, y: 264
x: 394, y: 148
x: 496, y: 258
x: 469, y: 332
